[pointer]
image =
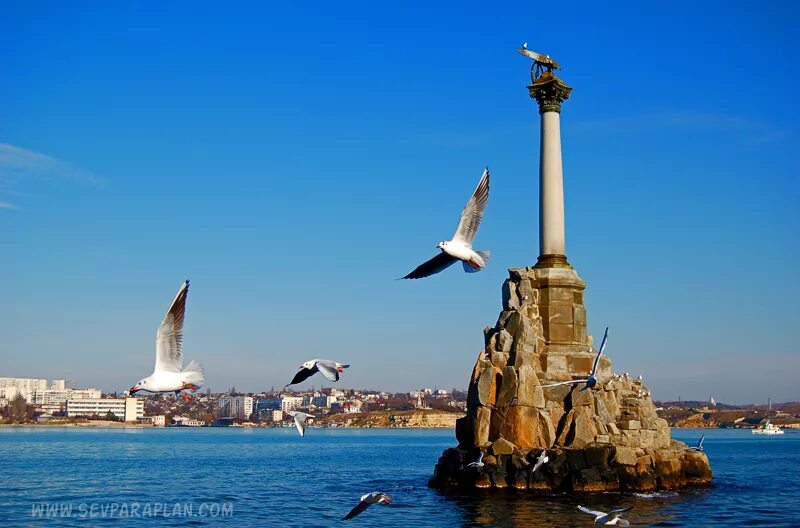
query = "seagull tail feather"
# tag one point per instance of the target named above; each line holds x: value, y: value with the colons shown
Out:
x: 194, y: 373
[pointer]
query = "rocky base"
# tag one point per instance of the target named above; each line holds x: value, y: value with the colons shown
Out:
x: 525, y: 396
x: 597, y: 467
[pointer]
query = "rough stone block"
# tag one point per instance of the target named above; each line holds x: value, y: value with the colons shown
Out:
x: 603, y: 439
x: 582, y: 431
x: 580, y: 397
x: 547, y: 432
x: 510, y: 298
x: 508, y: 388
x: 528, y: 383
x: 556, y: 363
x: 499, y: 359
x: 501, y: 446
x: 481, y: 426
x: 504, y: 341
x: 598, y: 455
x: 521, y: 425
x: 624, y: 456
x: 630, y: 425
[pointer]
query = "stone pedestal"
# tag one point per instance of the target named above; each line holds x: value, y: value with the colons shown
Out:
x: 602, y: 439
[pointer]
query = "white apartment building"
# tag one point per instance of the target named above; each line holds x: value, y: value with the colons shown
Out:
x: 24, y: 385
x: 127, y: 409
x: 290, y: 403
x: 60, y: 396
x: 236, y: 406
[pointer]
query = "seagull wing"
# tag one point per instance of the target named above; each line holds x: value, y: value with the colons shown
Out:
x: 599, y: 353
x: 300, y: 423
x: 620, y: 510
x: 571, y: 382
x: 330, y: 373
x: 433, y: 266
x: 472, y: 214
x: 700, y: 443
x: 591, y: 512
x: 302, y: 375
x: 169, y: 338
x: 360, y: 507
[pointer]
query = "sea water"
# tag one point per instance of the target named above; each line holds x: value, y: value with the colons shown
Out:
x: 54, y: 476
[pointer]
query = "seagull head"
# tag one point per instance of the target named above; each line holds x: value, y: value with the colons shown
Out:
x: 307, y: 365
x: 442, y: 244
x: 139, y: 386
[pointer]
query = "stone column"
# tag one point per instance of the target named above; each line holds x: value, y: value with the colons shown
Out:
x: 550, y: 91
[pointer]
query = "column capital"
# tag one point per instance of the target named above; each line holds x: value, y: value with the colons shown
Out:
x: 549, y: 91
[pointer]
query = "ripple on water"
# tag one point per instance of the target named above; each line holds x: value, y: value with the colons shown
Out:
x: 275, y: 478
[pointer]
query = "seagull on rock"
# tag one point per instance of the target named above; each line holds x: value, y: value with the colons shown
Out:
x: 699, y: 446
x: 478, y: 463
x: 376, y: 497
x: 542, y: 460
x: 591, y: 381
x: 300, y: 420
x: 329, y: 369
x: 608, y: 519
x: 168, y: 375
x: 460, y: 247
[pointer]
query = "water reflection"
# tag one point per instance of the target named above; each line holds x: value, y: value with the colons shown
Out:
x: 518, y: 509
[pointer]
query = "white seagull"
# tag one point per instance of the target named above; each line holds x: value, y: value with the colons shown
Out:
x: 460, y: 247
x: 376, y: 497
x: 542, y: 460
x: 300, y: 420
x: 591, y: 381
x: 610, y: 518
x: 699, y: 446
x: 478, y: 463
x: 167, y: 375
x: 329, y: 369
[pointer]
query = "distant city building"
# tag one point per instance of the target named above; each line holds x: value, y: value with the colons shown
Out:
x: 277, y: 416
x: 263, y: 408
x: 235, y: 407
x: 158, y: 420
x: 58, y: 396
x: 184, y: 421
x: 25, y: 386
x: 126, y: 409
x: 290, y: 403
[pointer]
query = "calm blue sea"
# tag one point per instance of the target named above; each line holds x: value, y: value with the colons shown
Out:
x: 272, y: 477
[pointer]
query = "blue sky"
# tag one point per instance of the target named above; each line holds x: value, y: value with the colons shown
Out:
x: 293, y: 160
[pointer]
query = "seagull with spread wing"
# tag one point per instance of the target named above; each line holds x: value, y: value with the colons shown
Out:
x: 460, y: 247
x: 542, y: 460
x: 168, y: 375
x: 590, y: 381
x: 326, y: 367
x: 376, y: 497
x: 478, y: 462
x: 609, y: 519
x: 300, y: 420
x: 699, y: 446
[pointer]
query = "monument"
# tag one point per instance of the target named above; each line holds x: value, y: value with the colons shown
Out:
x: 606, y: 438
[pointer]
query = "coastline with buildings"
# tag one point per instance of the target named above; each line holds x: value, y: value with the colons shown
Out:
x: 59, y: 403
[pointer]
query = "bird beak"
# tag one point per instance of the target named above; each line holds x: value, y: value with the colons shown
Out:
x: 132, y: 391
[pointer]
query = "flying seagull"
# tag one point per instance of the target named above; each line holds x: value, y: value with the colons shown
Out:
x: 542, y: 460
x: 329, y: 369
x: 478, y: 463
x: 610, y: 518
x: 376, y: 497
x: 167, y: 375
x: 591, y: 381
x: 699, y: 446
x: 300, y: 420
x: 460, y: 247
x: 539, y: 57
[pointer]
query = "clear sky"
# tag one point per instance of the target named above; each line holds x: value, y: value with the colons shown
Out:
x: 292, y: 161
